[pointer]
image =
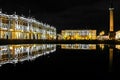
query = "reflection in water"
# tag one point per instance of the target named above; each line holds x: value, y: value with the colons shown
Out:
x: 18, y: 53
x: 79, y: 46
x: 93, y: 47
x: 110, y: 59
x: 102, y: 46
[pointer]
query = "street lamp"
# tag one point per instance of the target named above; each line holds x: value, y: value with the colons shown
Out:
x: 102, y: 33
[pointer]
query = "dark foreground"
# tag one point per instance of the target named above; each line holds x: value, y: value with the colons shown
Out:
x: 101, y: 59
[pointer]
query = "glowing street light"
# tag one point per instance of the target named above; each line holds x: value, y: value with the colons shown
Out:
x: 102, y: 33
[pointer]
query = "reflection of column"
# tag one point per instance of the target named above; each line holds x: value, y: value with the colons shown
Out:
x: 110, y: 59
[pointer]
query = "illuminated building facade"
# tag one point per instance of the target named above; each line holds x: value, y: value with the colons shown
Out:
x: 78, y: 34
x: 117, y: 47
x: 117, y: 36
x: 17, y: 27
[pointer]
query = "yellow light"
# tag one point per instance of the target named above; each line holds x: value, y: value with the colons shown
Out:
x: 11, y: 29
x: 102, y: 33
x: 11, y: 47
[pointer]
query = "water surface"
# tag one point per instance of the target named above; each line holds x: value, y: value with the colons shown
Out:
x: 60, y: 57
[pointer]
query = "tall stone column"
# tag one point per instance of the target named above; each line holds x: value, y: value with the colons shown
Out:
x: 112, y: 33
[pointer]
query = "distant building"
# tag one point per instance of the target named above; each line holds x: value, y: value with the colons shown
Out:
x: 117, y: 47
x: 78, y: 34
x: 103, y: 37
x: 117, y: 36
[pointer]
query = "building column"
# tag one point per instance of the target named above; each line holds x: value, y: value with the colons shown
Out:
x: 112, y: 33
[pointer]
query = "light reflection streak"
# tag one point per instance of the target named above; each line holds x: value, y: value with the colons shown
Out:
x: 20, y: 53
x: 110, y: 59
x: 102, y: 46
x: 79, y: 46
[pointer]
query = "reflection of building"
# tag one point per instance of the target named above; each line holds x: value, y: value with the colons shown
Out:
x: 102, y: 46
x: 78, y: 34
x: 79, y: 46
x: 16, y: 27
x: 103, y: 37
x: 18, y: 53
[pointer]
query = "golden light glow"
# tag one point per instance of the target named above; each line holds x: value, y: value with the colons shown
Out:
x: 11, y: 47
x: 117, y: 47
x: 18, y: 53
x: 102, y: 46
x: 117, y: 36
x: 16, y: 27
x: 79, y: 46
x: 78, y: 34
x: 102, y: 33
x: 110, y: 59
x: 111, y: 19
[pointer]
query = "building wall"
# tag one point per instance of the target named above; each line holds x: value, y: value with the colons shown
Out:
x: 16, y: 27
x: 117, y: 36
x: 78, y: 34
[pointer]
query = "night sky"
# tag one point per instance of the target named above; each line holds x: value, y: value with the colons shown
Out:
x: 66, y: 14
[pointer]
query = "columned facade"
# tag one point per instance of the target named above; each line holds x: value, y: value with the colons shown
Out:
x: 78, y: 34
x: 17, y: 27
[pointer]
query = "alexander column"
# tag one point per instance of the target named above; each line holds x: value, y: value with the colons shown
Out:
x: 111, y: 33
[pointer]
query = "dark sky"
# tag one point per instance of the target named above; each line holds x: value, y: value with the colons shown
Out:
x: 66, y: 14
